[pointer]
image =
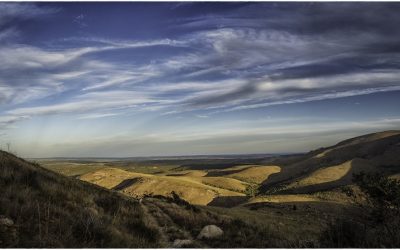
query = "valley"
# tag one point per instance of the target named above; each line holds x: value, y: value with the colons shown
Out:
x: 317, y: 176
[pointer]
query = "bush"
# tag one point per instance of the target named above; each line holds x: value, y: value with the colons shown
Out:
x: 380, y: 201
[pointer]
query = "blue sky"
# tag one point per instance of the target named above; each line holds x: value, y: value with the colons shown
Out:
x: 179, y: 78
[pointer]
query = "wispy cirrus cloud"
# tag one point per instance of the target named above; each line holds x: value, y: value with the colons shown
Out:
x: 230, y: 58
x: 12, y: 11
x: 92, y: 101
x: 289, y: 59
x: 7, y: 121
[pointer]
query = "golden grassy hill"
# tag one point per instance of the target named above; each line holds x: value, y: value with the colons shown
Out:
x: 255, y: 174
x: 191, y: 189
x: 72, y: 168
x: 331, y: 177
x: 224, y: 183
x: 189, y: 173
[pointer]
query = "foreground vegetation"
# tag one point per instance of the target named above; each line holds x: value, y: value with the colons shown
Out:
x: 379, y: 197
x: 49, y: 210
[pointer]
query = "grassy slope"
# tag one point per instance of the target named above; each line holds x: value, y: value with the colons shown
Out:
x: 190, y: 189
x: 50, y: 210
x: 332, y: 167
x: 255, y: 174
x: 72, y: 168
x: 317, y: 172
x: 192, y: 185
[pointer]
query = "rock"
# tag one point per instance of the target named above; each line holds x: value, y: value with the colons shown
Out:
x: 6, y: 221
x: 8, y: 233
x: 181, y: 243
x: 209, y: 232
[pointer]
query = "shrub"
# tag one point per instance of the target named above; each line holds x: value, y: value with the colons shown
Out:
x: 380, y: 201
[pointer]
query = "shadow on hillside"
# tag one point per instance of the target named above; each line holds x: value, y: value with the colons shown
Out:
x: 184, y: 174
x: 227, y: 201
x: 125, y: 183
x: 224, y: 172
x: 361, y: 147
x: 357, y: 165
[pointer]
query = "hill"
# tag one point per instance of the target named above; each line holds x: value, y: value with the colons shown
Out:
x: 321, y: 173
x: 188, y: 187
x: 43, y: 209
x: 50, y: 210
x: 117, y: 207
x: 333, y: 167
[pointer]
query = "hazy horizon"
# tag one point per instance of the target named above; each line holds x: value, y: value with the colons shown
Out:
x: 171, y: 156
x: 176, y: 79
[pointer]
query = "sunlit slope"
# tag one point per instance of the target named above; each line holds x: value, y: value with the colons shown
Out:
x: 224, y: 183
x: 334, y: 166
x: 331, y: 177
x: 214, y: 181
x: 284, y: 198
x: 188, y: 173
x: 220, y: 182
x: 255, y: 174
x: 137, y: 184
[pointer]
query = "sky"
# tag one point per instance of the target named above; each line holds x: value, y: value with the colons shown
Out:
x: 100, y: 79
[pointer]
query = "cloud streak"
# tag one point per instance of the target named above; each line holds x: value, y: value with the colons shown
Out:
x: 200, y: 60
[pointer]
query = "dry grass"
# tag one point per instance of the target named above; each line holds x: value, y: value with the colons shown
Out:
x: 188, y: 173
x: 331, y: 177
x: 189, y: 188
x: 322, y: 169
x: 225, y: 183
x: 324, y: 175
x: 255, y: 174
x: 284, y: 198
x: 71, y: 168
x: 50, y: 210
x: 395, y: 176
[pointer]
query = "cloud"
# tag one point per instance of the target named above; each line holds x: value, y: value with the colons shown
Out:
x: 260, y: 57
x: 120, y: 43
x: 97, y: 115
x: 8, y: 33
x: 36, y: 73
x: 7, y: 121
x: 80, y: 20
x: 12, y: 11
x: 325, y: 96
x: 104, y: 101
x: 295, y: 137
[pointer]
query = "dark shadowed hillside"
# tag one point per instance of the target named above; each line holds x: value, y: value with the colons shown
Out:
x: 40, y: 208
x: 332, y: 167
